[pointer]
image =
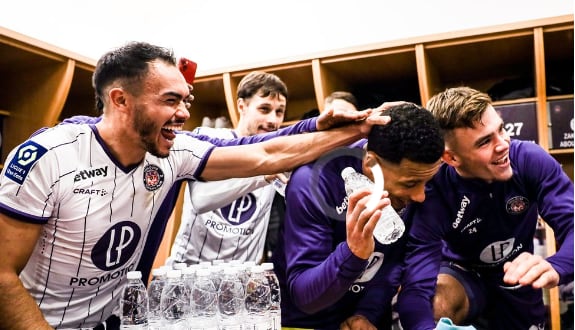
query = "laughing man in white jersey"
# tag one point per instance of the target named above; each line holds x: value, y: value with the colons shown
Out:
x: 80, y: 205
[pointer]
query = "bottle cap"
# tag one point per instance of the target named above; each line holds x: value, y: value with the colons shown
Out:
x: 134, y: 275
x: 203, y: 272
x: 230, y: 271
x: 249, y: 263
x: 174, y: 273
x: 180, y: 265
x: 159, y: 272
x: 257, y: 269
x: 188, y: 271
x: 195, y: 266
x: 347, y: 171
x: 267, y: 266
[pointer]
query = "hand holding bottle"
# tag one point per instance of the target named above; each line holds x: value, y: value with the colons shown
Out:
x: 360, y: 219
x: 390, y: 226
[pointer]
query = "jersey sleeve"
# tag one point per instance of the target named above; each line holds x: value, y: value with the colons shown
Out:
x: 319, y: 271
x: 80, y: 119
x: 303, y: 126
x: 29, y: 181
x: 554, y: 193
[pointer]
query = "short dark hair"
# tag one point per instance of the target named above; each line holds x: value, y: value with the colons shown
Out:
x: 413, y: 133
x: 342, y: 95
x: 128, y: 63
x: 261, y: 83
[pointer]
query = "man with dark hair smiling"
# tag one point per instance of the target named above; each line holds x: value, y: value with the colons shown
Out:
x: 332, y: 272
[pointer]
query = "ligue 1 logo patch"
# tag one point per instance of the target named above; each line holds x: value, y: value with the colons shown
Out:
x: 517, y: 204
x: 26, y: 156
x: 153, y: 177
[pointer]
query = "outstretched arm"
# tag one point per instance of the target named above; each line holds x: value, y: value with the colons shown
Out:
x: 282, y: 154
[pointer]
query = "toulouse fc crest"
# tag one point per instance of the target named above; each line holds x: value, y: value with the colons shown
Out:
x: 517, y: 204
x: 153, y: 177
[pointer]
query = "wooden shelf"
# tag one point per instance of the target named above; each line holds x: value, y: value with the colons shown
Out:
x: 38, y: 82
x: 209, y: 100
x: 568, y: 151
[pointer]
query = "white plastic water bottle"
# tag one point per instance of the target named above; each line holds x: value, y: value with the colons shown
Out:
x: 175, y: 302
x: 155, y: 297
x: 390, y: 227
x: 134, y: 303
x: 231, y: 297
x: 279, y: 185
x: 217, y: 272
x: 204, y: 308
x: 275, y: 295
x: 258, y: 300
x: 188, y: 277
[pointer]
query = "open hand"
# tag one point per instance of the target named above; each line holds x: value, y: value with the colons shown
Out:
x: 530, y: 269
x: 361, y: 221
x: 188, y: 100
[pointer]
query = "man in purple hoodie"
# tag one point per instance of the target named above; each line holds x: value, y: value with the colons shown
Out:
x: 470, y: 247
x: 332, y: 273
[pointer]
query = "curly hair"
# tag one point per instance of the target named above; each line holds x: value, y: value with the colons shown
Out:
x: 412, y: 134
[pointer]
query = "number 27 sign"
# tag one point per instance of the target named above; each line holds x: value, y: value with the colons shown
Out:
x: 520, y: 120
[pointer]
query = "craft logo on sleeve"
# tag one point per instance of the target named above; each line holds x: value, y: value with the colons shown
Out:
x: 22, y: 162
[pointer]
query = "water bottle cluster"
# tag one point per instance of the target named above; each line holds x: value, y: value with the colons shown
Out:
x: 210, y: 296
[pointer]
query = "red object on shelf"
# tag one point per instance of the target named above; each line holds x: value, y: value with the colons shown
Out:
x: 188, y: 69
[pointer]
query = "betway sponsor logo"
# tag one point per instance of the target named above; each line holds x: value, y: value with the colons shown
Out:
x: 91, y: 173
x: 463, y: 205
x: 341, y: 209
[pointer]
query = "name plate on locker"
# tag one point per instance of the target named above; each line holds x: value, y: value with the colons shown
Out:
x: 561, y: 124
x: 520, y: 120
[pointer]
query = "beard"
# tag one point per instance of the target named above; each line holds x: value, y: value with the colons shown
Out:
x: 146, y: 128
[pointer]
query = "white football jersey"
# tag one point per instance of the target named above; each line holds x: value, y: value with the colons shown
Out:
x: 236, y: 231
x: 95, y: 213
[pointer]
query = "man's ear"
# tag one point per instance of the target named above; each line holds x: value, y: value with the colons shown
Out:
x: 369, y: 160
x: 118, y: 98
x: 449, y: 157
x: 241, y: 104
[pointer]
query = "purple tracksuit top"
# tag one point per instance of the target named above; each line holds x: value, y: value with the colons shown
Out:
x: 483, y: 225
x: 322, y: 282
